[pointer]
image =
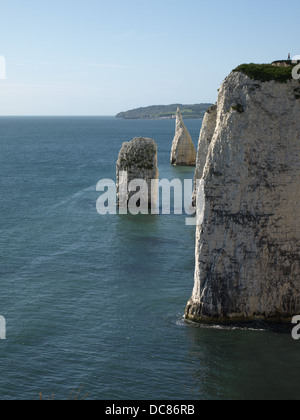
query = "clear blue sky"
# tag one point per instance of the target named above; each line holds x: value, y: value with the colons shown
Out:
x: 96, y: 57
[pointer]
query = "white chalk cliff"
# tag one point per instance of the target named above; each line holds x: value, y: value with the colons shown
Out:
x: 248, y: 245
x: 138, y: 159
x: 183, y: 150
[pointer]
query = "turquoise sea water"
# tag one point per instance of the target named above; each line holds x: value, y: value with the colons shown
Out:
x: 97, y: 301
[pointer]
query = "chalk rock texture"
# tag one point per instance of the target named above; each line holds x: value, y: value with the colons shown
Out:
x: 138, y: 160
x: 248, y: 245
x: 206, y: 135
x: 183, y: 150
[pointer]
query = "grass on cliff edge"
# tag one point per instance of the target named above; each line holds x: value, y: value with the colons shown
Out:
x: 266, y: 72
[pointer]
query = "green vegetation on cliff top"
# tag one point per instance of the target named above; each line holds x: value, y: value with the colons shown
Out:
x: 266, y: 72
x: 166, y: 111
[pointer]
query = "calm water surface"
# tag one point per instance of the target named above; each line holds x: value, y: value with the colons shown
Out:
x: 98, y: 301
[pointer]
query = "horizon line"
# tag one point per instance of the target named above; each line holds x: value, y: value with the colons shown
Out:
x: 55, y: 115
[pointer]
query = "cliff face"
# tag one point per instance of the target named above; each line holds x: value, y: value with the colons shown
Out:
x: 183, y: 150
x: 248, y: 246
x: 138, y: 159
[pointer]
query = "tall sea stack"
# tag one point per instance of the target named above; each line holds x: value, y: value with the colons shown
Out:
x: 206, y: 135
x: 248, y: 245
x: 183, y: 150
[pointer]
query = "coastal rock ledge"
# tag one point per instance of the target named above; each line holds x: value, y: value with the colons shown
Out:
x: 183, y: 150
x: 248, y: 245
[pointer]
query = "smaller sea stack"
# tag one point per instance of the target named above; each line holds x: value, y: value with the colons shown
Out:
x: 137, y: 161
x: 183, y: 149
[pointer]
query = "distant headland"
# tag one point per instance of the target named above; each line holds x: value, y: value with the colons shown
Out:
x: 156, y: 112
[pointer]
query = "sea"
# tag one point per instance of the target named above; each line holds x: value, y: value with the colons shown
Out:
x: 94, y: 305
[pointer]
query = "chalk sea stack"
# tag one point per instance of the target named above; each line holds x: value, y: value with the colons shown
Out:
x: 206, y: 135
x: 248, y: 245
x: 138, y: 159
x: 183, y: 150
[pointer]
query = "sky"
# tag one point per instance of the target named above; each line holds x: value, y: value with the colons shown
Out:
x: 96, y: 57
